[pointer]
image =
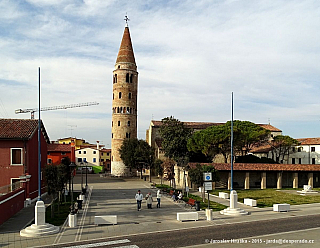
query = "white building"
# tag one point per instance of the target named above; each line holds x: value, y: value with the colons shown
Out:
x: 90, y: 155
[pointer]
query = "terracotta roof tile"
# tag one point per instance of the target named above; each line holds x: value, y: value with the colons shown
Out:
x: 262, y: 167
x: 59, y: 148
x: 204, y: 125
x: 126, y: 51
x: 17, y: 128
x: 309, y: 141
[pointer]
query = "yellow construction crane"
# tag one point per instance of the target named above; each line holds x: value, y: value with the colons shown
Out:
x: 78, y: 105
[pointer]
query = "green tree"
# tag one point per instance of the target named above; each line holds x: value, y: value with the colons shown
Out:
x: 196, y: 174
x: 248, y: 135
x: 175, y: 137
x: 51, y: 174
x: 281, y: 146
x: 159, y: 168
x: 136, y: 153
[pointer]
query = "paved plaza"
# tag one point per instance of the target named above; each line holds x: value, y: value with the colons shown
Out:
x: 113, y: 196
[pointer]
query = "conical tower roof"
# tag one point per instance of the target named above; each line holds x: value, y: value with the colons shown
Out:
x: 126, y: 51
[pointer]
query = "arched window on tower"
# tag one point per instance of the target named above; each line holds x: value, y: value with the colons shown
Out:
x: 127, y: 78
x: 124, y: 110
x: 112, y: 135
x: 112, y: 96
x: 118, y: 110
x: 115, y: 78
x: 128, y: 123
x: 130, y: 94
x: 131, y: 78
x: 111, y: 123
x: 119, y: 123
x: 119, y: 95
x: 121, y: 110
x: 128, y: 110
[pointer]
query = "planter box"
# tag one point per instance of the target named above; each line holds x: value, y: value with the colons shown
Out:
x: 187, y: 216
x: 250, y: 202
x: 281, y: 207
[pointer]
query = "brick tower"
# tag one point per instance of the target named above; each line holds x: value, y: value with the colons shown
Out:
x: 124, y: 103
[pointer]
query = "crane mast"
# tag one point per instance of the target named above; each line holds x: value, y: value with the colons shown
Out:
x: 77, y: 105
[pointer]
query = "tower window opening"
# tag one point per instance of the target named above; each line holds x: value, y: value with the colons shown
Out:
x: 128, y: 123
x: 119, y: 95
x: 124, y: 110
x: 112, y: 135
x: 115, y: 78
x: 113, y: 96
x: 118, y: 66
x: 118, y: 110
x: 128, y: 110
x: 111, y: 123
x: 121, y: 110
x: 118, y: 123
x: 131, y: 77
x: 128, y: 135
x: 127, y: 78
x: 130, y: 95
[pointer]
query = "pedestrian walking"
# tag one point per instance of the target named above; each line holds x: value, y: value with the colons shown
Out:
x: 139, y: 197
x: 149, y: 200
x: 158, y: 198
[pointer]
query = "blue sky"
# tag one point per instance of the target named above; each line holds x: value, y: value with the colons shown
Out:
x: 190, y: 55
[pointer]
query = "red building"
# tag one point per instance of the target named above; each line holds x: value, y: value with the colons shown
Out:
x: 19, y: 152
x: 56, y: 152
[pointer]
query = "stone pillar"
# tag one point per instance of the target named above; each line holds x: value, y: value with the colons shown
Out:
x: 247, y: 181
x: 40, y: 212
x: 233, y: 199
x: 310, y: 179
x: 295, y: 180
x: 279, y: 180
x: 263, y: 180
x: 229, y: 180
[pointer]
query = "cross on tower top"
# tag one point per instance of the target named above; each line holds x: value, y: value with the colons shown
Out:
x: 126, y: 18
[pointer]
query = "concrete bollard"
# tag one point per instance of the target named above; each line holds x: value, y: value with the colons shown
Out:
x: 72, y: 220
x: 209, y: 214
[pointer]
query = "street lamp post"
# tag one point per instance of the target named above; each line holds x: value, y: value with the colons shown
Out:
x: 72, y: 166
x: 86, y: 174
x: 81, y: 164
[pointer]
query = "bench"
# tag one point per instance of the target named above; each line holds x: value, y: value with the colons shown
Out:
x: 187, y: 216
x: 171, y: 192
x: 191, y: 202
x: 105, y: 219
x: 250, y: 202
x: 223, y: 195
x: 284, y: 207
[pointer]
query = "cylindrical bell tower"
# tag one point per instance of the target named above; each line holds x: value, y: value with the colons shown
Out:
x: 124, y: 102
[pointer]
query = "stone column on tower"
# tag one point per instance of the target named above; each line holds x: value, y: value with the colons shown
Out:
x: 124, y: 102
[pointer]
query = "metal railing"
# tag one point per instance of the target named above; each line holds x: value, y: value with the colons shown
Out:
x: 10, y: 187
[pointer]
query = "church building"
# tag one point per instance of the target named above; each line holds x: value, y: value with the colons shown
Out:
x: 124, y: 102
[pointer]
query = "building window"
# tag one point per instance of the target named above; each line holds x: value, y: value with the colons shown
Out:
x: 79, y: 160
x: 299, y: 149
x: 112, y: 96
x: 131, y: 77
x: 94, y: 152
x: 293, y: 160
x: 128, y: 123
x: 118, y: 66
x: 94, y: 160
x: 127, y: 78
x: 63, y: 153
x: 79, y: 152
x: 115, y: 78
x: 313, y: 160
x: 84, y: 159
x: 16, y: 156
x: 84, y: 152
x: 112, y: 136
x: 49, y: 161
x: 119, y: 123
x: 299, y: 160
x: 293, y: 149
x: 313, y: 149
x: 119, y: 95
x: 128, y: 135
x: 107, y: 153
x: 111, y: 123
x: 130, y: 95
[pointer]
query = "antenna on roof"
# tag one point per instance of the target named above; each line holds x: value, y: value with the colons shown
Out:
x: 269, y: 121
x: 126, y: 18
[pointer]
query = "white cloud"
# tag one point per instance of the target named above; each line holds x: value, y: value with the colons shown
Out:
x: 190, y: 56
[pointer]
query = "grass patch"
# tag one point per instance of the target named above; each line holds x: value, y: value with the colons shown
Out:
x: 204, y: 205
x: 59, y: 218
x: 268, y: 197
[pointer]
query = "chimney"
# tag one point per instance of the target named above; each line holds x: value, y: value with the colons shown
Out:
x: 98, y: 145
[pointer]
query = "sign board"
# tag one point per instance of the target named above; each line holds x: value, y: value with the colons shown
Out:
x: 207, y: 186
x: 207, y: 176
x: 187, y: 189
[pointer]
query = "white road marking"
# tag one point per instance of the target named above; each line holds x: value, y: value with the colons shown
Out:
x: 114, y: 242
